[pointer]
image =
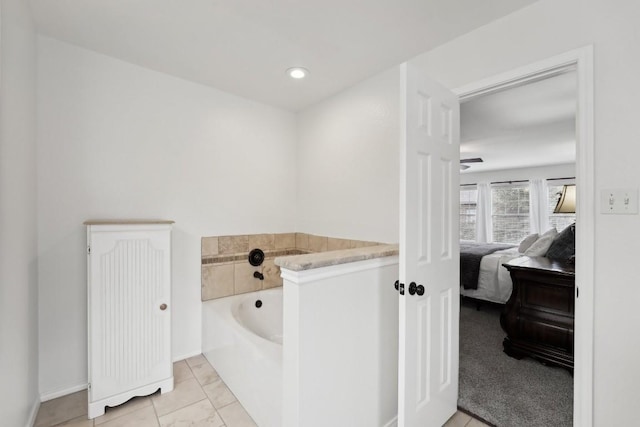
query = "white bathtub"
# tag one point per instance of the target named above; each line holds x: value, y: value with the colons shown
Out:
x: 244, y: 344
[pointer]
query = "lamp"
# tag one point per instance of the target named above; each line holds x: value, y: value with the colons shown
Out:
x: 567, y: 200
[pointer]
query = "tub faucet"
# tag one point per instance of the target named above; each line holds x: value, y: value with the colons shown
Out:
x: 258, y: 275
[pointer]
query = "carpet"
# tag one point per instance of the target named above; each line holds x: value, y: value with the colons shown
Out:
x: 500, y: 389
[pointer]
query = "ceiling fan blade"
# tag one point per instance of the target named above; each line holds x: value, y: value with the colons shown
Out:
x: 472, y: 160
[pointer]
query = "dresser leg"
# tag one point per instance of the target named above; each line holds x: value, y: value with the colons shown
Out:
x: 510, y: 351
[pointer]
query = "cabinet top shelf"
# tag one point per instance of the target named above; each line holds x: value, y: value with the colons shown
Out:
x: 541, y: 264
x: 127, y: 221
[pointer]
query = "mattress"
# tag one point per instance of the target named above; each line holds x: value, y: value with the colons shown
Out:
x: 494, y: 281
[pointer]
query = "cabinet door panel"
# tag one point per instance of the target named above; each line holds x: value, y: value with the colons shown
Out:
x: 129, y: 331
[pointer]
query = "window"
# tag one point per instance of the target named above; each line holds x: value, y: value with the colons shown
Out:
x: 510, y: 212
x: 468, y: 202
x: 559, y: 221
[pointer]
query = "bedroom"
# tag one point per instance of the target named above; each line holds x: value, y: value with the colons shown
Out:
x: 518, y: 150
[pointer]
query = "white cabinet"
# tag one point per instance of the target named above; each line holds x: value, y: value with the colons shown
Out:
x: 129, y: 311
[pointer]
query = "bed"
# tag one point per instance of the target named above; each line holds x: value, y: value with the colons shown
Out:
x: 482, y: 275
x: 482, y: 263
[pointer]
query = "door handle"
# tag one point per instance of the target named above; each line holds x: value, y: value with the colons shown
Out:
x: 416, y: 289
x: 399, y: 287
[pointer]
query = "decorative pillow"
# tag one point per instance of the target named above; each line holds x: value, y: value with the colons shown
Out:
x: 564, y: 244
x: 540, y: 247
x: 527, y: 242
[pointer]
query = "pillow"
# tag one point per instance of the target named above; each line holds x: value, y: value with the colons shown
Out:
x: 527, y: 242
x: 550, y: 232
x: 564, y: 244
x: 540, y: 247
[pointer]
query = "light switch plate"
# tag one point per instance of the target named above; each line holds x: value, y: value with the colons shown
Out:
x: 619, y: 201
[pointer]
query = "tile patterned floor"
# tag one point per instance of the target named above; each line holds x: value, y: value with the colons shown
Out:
x: 460, y: 419
x: 200, y: 398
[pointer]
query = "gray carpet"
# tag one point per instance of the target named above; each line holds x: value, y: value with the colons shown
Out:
x: 502, y: 390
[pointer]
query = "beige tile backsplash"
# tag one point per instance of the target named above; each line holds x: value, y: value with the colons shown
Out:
x: 217, y: 280
x: 302, y: 241
x: 318, y: 243
x: 232, y: 244
x: 244, y: 280
x: 226, y: 270
x: 266, y: 242
x: 209, y: 246
x: 285, y: 240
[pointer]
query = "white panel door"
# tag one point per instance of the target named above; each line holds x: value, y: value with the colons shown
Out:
x: 429, y: 251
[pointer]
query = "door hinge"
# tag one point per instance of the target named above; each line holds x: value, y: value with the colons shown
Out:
x: 89, y: 250
x: 577, y: 292
x: 399, y: 287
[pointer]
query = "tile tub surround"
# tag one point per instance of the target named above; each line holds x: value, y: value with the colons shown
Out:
x: 226, y: 270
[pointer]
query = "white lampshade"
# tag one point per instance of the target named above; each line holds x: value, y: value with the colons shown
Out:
x: 567, y: 200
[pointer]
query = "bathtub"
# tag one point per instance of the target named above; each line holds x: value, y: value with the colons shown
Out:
x: 244, y: 344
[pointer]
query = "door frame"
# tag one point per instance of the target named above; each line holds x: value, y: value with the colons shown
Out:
x: 581, y: 60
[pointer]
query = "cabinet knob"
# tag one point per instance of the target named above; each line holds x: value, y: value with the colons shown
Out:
x: 163, y: 307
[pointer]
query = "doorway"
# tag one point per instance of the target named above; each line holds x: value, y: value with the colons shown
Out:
x: 582, y: 61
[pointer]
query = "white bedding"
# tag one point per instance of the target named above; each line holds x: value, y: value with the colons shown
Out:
x: 494, y: 281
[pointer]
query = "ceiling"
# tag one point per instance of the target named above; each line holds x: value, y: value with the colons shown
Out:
x: 245, y: 46
x: 526, y: 126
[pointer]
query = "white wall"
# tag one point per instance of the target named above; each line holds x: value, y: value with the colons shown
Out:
x: 348, y: 154
x: 18, y: 271
x: 340, y: 365
x: 544, y: 29
x: 119, y: 141
x: 541, y: 172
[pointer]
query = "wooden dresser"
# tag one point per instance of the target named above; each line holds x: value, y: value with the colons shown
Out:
x: 539, y: 316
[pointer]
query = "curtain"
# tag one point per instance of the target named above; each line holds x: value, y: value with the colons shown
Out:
x: 484, y: 226
x: 538, y: 209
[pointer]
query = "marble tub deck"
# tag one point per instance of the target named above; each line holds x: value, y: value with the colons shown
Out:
x: 326, y: 259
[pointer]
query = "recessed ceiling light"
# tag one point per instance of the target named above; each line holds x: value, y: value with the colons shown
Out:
x: 297, y: 72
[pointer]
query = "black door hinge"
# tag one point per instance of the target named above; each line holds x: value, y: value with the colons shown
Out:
x: 399, y: 287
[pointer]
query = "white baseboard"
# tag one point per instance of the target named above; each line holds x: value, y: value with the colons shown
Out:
x: 393, y: 422
x: 33, y: 414
x: 68, y: 390
x: 186, y: 356
x: 62, y: 392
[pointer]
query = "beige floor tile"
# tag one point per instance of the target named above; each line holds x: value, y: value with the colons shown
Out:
x: 476, y: 423
x: 196, y: 360
x: 62, y: 409
x: 219, y: 394
x: 185, y: 393
x: 205, y: 374
x: 181, y: 371
x: 145, y: 417
x: 234, y: 415
x: 459, y: 419
x: 82, y: 421
x: 200, y: 414
x: 126, y: 408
